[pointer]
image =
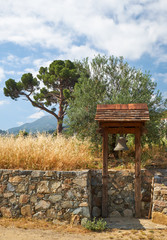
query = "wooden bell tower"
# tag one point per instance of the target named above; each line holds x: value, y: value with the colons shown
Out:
x: 122, y: 119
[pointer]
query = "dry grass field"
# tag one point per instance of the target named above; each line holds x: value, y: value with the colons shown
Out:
x: 45, y: 152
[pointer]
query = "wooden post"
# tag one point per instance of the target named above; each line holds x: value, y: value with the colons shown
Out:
x: 105, y: 174
x: 138, y: 173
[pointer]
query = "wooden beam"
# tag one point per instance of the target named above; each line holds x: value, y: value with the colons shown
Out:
x: 105, y: 175
x: 121, y: 124
x: 138, y: 174
x: 122, y: 130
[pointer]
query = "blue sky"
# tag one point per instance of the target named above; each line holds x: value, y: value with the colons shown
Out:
x: 34, y: 33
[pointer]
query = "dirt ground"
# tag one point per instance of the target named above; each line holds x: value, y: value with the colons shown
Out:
x: 28, y: 230
x: 13, y: 233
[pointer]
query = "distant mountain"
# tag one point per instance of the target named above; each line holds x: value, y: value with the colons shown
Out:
x: 44, y: 124
x: 2, y: 132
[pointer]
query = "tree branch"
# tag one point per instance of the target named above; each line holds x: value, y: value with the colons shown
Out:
x: 41, y: 106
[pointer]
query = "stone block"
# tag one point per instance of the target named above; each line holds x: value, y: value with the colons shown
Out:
x: 120, y: 182
x: 96, y: 212
x: 43, y: 187
x: 118, y: 201
x: 40, y: 196
x: 37, y: 174
x: 2, y: 188
x: 159, y: 203
x: 23, y: 199
x: 21, y: 188
x: 67, y: 204
x: 26, y: 211
x: 55, y: 198
x: 114, y: 214
x: 164, y: 211
x: 55, y: 186
x: 111, y: 191
x: 86, y: 212
x: 77, y: 194
x: 39, y: 215
x: 164, y: 192
x: 128, y: 213
x: 42, y: 205
x: 16, y: 179
x: 7, y: 195
x: 80, y: 182
x: 3, y: 202
x: 6, y: 212
x: 13, y: 200
x: 48, y: 174
x: 83, y: 204
x: 51, y: 213
x: 70, y: 194
x: 66, y: 186
x: 67, y: 181
x: 77, y: 211
x: 128, y: 187
x: 10, y: 187
x: 32, y: 187
x: 33, y: 199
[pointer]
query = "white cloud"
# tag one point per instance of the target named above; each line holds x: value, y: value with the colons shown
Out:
x: 20, y: 123
x: 79, y: 52
x: 2, y: 74
x: 3, y: 102
x: 131, y: 28
x: 37, y: 115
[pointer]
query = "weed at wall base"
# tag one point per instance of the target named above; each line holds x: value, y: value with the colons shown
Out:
x: 96, y: 225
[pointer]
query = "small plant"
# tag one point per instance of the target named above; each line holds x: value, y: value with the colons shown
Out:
x: 96, y: 225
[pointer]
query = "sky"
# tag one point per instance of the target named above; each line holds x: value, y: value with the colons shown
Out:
x: 33, y: 33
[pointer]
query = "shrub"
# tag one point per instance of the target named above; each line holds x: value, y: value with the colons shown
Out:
x: 96, y: 225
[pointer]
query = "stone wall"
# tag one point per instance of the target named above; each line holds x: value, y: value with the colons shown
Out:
x: 45, y: 194
x: 159, y: 209
x: 120, y: 192
x: 62, y: 195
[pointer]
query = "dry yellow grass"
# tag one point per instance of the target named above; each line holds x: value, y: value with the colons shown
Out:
x: 44, y: 152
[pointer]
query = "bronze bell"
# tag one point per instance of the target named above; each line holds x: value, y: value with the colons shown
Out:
x: 121, y: 144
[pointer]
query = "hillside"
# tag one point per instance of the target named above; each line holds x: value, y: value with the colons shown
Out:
x: 2, y: 132
x: 44, y: 124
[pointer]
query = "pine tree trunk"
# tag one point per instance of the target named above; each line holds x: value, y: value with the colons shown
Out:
x: 60, y: 114
x: 59, y: 127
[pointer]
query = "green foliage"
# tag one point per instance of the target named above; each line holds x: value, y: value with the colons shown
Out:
x: 82, y: 108
x: 96, y: 225
x: 58, y: 80
x: 112, y: 81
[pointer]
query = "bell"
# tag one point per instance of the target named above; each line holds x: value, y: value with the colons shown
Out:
x: 121, y: 144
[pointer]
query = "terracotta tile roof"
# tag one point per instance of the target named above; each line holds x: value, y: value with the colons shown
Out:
x: 122, y: 112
